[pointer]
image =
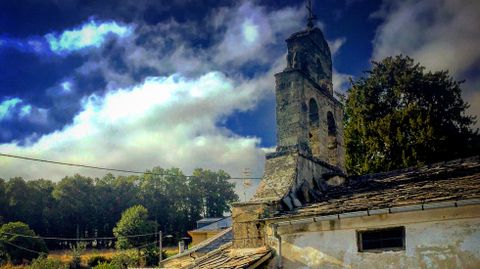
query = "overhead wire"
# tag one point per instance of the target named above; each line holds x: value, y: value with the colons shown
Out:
x: 23, y: 248
x: 121, y: 170
x: 77, y: 239
x: 118, y: 170
x: 40, y: 253
x: 102, y: 168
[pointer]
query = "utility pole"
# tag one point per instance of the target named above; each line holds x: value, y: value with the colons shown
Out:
x: 159, y: 247
x: 246, y: 182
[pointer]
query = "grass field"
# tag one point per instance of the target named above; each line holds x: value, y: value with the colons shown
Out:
x: 66, y: 256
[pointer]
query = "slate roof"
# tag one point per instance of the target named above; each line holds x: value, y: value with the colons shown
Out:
x: 447, y: 181
x: 219, y: 241
x: 217, y: 225
x: 187, y: 257
x: 219, y: 254
x: 226, y: 257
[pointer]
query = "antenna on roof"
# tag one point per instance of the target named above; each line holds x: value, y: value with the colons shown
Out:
x: 311, y: 17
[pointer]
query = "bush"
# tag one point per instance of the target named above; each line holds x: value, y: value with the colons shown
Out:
x: 77, y: 252
x: 151, y: 255
x: 14, y: 245
x: 106, y: 265
x: 128, y: 258
x: 46, y: 263
x: 96, y: 260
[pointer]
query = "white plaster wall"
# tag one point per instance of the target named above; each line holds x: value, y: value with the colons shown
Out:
x: 442, y: 244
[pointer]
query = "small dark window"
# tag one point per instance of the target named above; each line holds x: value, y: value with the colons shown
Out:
x: 313, y: 112
x: 332, y: 127
x: 381, y: 239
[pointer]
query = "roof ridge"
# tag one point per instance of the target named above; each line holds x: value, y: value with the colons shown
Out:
x: 366, y: 177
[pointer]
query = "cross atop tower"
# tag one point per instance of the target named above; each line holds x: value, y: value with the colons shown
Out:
x: 311, y: 17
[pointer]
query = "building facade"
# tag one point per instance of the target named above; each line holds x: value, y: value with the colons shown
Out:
x: 306, y: 212
x: 313, y: 216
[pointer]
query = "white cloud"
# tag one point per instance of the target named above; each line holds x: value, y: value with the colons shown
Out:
x: 25, y: 111
x: 336, y: 44
x: 66, y: 86
x: 340, y: 81
x: 91, y: 34
x: 7, y: 106
x: 440, y: 34
x: 167, y: 121
x: 174, y: 120
x: 251, y: 32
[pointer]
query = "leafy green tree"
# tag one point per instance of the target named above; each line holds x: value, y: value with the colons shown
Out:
x: 112, y: 196
x: 74, y: 197
x: 212, y: 192
x: 3, y: 201
x: 399, y: 115
x: 40, y: 202
x: 92, y: 207
x: 18, y: 242
x: 153, y: 195
x: 134, y: 221
x: 18, y: 194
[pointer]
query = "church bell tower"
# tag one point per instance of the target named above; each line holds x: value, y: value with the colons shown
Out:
x: 308, y: 115
x: 310, y: 152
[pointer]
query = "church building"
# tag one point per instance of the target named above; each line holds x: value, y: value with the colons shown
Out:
x: 307, y: 213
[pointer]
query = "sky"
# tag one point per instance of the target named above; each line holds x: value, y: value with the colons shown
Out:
x: 135, y: 84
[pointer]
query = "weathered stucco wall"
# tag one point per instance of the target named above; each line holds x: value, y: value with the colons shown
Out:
x: 435, y: 238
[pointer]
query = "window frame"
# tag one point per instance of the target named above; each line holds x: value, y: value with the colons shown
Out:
x: 360, y: 242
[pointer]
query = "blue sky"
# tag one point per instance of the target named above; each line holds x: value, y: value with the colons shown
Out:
x: 190, y: 83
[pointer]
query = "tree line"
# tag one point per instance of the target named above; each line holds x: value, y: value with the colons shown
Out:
x: 80, y: 206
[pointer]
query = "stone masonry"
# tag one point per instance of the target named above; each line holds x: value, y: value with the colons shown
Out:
x: 310, y: 152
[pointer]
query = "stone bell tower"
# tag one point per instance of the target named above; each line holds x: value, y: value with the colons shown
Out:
x: 309, y: 157
x: 308, y: 115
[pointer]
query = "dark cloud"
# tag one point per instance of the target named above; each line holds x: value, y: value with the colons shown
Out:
x: 183, y: 37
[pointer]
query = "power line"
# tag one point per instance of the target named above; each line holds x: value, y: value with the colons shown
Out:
x: 37, y: 252
x: 119, y: 170
x: 99, y: 167
x: 77, y: 239
x: 26, y: 249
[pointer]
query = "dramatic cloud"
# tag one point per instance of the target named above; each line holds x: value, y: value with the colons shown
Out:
x: 167, y: 121
x: 91, y: 34
x: 252, y: 32
x: 440, y: 34
x: 162, y: 94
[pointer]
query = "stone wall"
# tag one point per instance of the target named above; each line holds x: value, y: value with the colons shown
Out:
x: 248, y: 230
x: 292, y: 179
x: 307, y: 154
x: 293, y: 94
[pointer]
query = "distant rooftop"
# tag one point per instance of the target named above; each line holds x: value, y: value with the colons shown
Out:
x: 217, y: 225
x: 206, y: 221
